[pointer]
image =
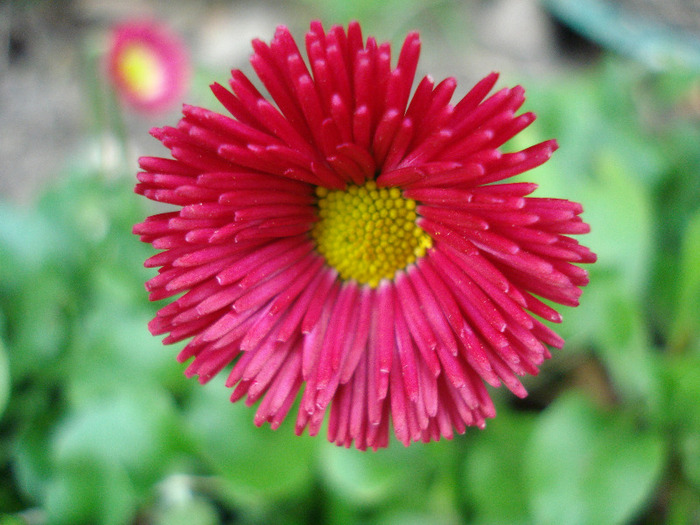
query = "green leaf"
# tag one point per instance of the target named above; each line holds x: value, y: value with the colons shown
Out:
x: 40, y: 318
x: 32, y: 465
x: 115, y: 350
x: 261, y: 464
x: 132, y: 429
x: 78, y: 206
x: 8, y: 519
x: 585, y: 466
x: 396, y: 484
x: 4, y: 378
x: 27, y: 241
x: 405, y: 517
x: 619, y: 212
x: 686, y: 324
x: 628, y: 356
x: 493, y: 470
x: 683, y: 411
x: 90, y: 492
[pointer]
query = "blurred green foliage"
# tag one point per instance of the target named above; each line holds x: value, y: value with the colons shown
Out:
x: 98, y: 426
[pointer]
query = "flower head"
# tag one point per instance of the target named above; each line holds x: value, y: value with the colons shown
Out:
x: 148, y: 65
x: 358, y: 242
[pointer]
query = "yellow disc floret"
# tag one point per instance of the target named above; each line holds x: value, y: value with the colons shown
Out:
x: 366, y: 233
x: 140, y: 69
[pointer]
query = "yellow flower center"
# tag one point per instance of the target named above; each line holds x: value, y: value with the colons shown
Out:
x: 141, y: 70
x: 367, y: 234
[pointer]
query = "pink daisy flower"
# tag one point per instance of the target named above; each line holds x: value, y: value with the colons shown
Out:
x: 148, y: 65
x: 357, y: 243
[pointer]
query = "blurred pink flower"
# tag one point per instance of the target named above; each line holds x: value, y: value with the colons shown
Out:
x: 358, y: 242
x: 148, y: 65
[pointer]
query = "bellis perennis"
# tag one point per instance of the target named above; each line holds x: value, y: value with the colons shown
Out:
x: 352, y: 245
x: 147, y: 65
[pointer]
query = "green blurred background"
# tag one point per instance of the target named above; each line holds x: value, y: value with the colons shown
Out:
x: 98, y: 424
